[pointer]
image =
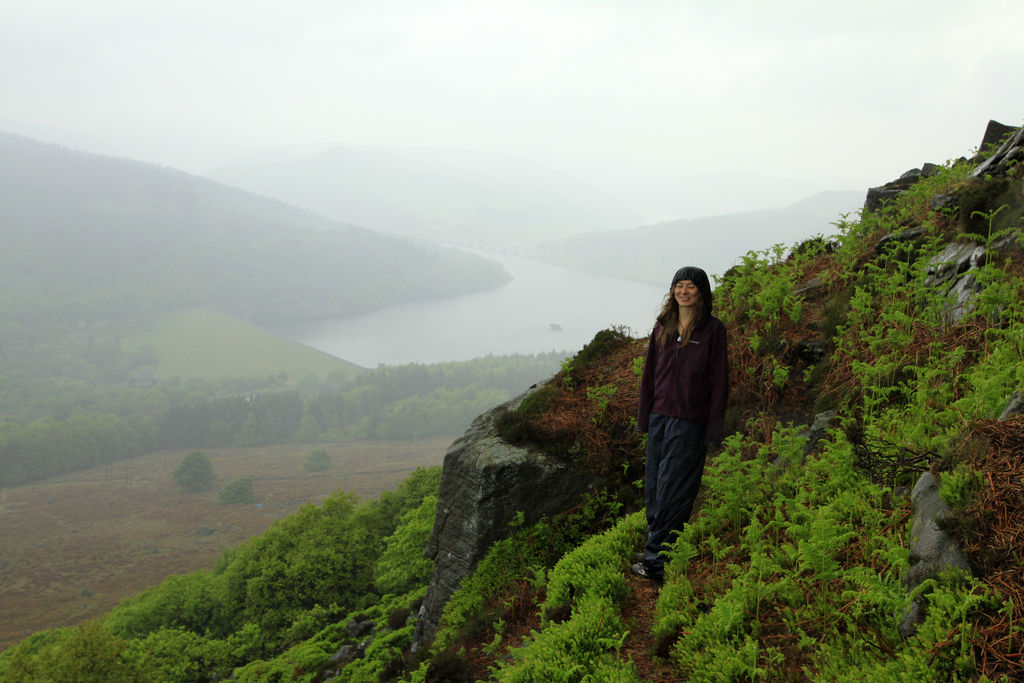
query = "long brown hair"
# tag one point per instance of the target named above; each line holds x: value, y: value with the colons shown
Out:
x: 668, y: 318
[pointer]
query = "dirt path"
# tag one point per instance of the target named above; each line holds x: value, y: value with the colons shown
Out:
x: 638, y: 612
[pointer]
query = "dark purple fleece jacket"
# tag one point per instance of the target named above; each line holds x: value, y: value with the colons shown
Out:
x: 690, y: 383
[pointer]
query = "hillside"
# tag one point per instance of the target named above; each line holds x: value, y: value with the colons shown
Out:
x: 88, y: 237
x: 644, y: 253
x: 870, y: 371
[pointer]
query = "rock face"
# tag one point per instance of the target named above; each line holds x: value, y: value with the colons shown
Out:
x: 485, y: 483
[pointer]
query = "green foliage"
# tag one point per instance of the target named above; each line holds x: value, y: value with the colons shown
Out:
x: 959, y: 487
x: 87, y: 654
x: 237, y: 490
x: 595, y: 567
x: 568, y: 380
x: 403, y: 565
x: 784, y: 543
x: 183, y: 656
x: 589, y: 580
x: 601, y: 395
x: 319, y: 556
x: 194, y: 473
x: 318, y: 461
x: 585, y: 648
x: 194, y: 602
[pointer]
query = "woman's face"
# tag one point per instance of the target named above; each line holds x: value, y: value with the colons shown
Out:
x: 685, y: 293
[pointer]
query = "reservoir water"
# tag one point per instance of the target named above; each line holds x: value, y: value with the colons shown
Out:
x: 544, y: 308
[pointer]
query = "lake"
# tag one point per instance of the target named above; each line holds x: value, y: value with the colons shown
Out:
x: 544, y: 308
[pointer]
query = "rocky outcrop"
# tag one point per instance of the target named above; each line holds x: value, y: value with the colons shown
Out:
x: 995, y: 134
x: 955, y: 267
x: 1010, y: 153
x: 879, y: 196
x: 485, y: 484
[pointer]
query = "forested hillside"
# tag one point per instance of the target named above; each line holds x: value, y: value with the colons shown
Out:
x: 901, y: 333
x: 89, y: 237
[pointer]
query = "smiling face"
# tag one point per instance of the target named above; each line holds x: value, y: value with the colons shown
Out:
x: 686, y: 293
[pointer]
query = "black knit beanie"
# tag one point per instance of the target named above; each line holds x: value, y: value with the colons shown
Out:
x: 698, y: 277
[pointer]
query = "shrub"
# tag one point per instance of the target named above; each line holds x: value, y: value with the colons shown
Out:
x: 318, y: 461
x: 195, y: 473
x: 236, y: 491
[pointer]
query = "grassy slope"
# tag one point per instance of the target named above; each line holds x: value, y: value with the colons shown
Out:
x: 201, y: 342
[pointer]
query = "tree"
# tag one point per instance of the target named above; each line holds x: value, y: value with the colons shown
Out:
x: 195, y: 473
x: 236, y: 491
x: 318, y: 461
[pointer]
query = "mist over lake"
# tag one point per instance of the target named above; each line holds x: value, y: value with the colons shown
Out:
x: 518, y: 317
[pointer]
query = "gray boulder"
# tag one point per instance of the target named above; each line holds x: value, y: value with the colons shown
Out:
x: 485, y: 483
x: 822, y: 423
x: 932, y: 550
x: 1014, y: 408
x: 961, y: 296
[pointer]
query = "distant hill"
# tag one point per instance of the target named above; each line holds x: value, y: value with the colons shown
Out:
x: 652, y: 253
x: 88, y: 237
x: 445, y: 195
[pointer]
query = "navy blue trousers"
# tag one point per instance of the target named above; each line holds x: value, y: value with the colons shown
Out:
x: 675, y: 465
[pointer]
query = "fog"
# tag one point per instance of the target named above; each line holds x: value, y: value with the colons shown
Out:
x: 673, y: 110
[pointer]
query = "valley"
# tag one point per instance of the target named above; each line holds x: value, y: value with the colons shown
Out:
x: 73, y: 546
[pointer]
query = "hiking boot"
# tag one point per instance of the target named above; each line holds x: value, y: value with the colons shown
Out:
x: 640, y: 570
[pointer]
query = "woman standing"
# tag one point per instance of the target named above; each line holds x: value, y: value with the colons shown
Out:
x: 682, y: 405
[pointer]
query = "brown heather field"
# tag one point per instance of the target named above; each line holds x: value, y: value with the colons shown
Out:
x: 72, y: 547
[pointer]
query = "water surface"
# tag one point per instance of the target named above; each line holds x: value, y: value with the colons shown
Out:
x: 544, y: 308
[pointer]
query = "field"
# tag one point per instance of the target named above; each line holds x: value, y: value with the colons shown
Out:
x: 72, y: 547
x: 200, y: 342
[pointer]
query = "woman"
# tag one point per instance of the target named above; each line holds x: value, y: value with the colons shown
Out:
x: 682, y: 405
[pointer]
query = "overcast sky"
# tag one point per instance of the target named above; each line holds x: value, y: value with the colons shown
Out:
x: 682, y: 109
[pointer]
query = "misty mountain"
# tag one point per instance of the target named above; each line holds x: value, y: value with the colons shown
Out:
x: 87, y: 237
x: 652, y: 253
x: 444, y: 195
